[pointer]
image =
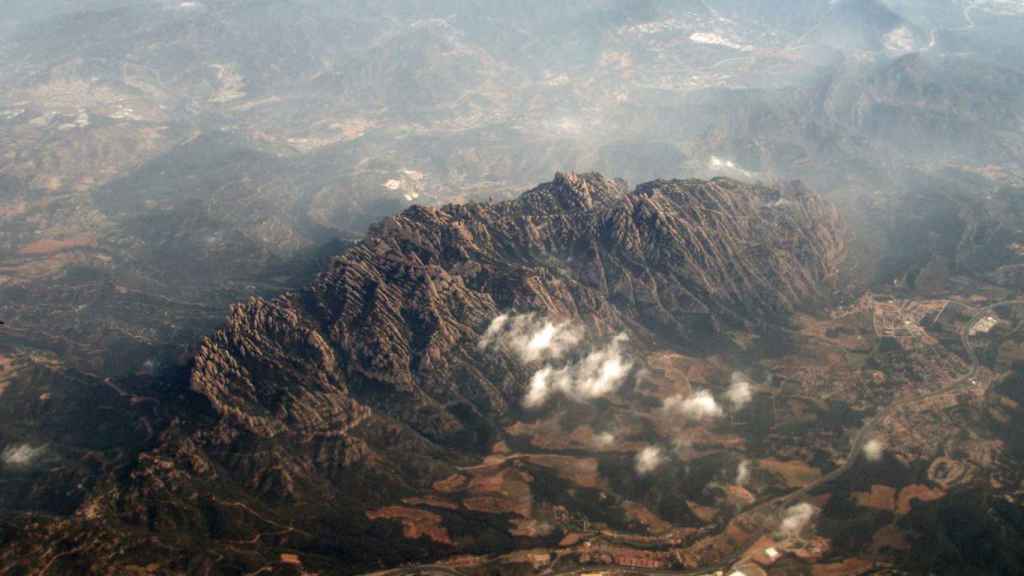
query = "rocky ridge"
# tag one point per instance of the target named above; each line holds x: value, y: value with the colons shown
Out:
x: 394, y: 322
x: 306, y: 411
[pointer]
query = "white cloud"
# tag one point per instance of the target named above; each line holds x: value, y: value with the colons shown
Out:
x: 700, y: 405
x: 551, y: 340
x: 21, y: 454
x: 743, y: 473
x: 604, y: 439
x: 796, y: 517
x: 531, y: 338
x: 493, y: 329
x: 598, y: 374
x: 718, y: 40
x: 603, y: 370
x: 728, y: 168
x: 540, y: 388
x: 739, y: 393
x: 873, y: 450
x: 648, y: 460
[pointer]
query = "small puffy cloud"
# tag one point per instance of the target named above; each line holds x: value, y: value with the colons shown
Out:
x: 739, y: 393
x: 580, y: 377
x: 540, y: 388
x: 496, y: 327
x: 873, y: 450
x: 598, y: 374
x: 648, y: 460
x: 743, y: 473
x: 604, y: 440
x: 700, y: 405
x: 601, y: 372
x: 796, y: 518
x: 530, y: 337
x: 728, y: 167
x: 21, y: 454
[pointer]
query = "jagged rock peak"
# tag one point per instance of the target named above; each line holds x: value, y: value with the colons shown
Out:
x: 584, y: 190
x: 392, y: 326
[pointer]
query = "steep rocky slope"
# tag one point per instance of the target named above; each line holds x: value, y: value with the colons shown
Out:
x: 306, y: 411
x: 395, y: 321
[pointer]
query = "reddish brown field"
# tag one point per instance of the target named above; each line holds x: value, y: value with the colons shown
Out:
x: 739, y: 495
x: 813, y: 550
x: 453, y: 483
x: 548, y: 435
x: 641, y: 514
x: 677, y: 374
x: 571, y: 539
x: 880, y: 498
x: 465, y: 561
x: 497, y: 505
x: 432, y: 501
x: 48, y: 246
x: 530, y: 528
x: 497, y: 490
x: 628, y: 557
x: 755, y: 553
x: 508, y: 481
x: 794, y: 473
x: 705, y: 513
x: 580, y: 471
x: 916, y: 492
x: 484, y: 482
x: 415, y: 523
x: 713, y: 549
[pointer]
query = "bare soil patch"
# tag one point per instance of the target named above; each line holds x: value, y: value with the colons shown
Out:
x: 415, y: 523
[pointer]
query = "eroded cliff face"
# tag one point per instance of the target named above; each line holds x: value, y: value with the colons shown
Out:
x: 393, y: 325
x: 307, y: 411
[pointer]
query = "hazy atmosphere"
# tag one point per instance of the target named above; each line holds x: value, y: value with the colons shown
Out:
x: 475, y: 287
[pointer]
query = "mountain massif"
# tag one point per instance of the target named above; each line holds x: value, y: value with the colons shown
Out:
x: 396, y: 319
x: 306, y: 411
